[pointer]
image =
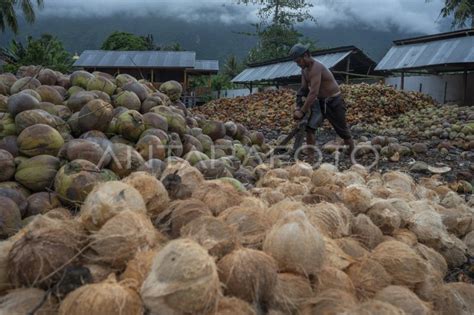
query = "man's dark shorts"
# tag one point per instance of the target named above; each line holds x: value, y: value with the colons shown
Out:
x: 334, y: 110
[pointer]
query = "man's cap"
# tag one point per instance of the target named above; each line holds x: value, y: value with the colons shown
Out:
x: 298, y: 50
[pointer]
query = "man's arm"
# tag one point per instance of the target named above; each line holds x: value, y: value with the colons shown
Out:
x: 315, y: 78
x: 302, y: 92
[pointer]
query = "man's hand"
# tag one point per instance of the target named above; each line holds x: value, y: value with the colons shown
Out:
x: 298, y: 115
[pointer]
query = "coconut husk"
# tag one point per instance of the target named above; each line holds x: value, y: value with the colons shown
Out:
x: 458, y: 221
x: 59, y: 213
x: 152, y: 190
x: 406, y: 196
x: 368, y: 277
x: 453, y: 250
x: 10, y: 216
x: 125, y: 160
x: 250, y: 225
x: 402, y: 262
x: 108, y: 297
x: 253, y: 202
x: 336, y: 257
x: 333, y: 278
x: 404, y: 299
x: 248, y: 274
x: 422, y: 192
x: 292, y: 189
x: 334, y: 220
x: 398, y: 181
x: 269, y: 195
x: 400, y: 206
x: 323, y: 177
x: 99, y: 272
x: 405, y: 236
x: 387, y: 220
x: 330, y: 302
x: 190, y: 177
x: 183, y: 279
x: 352, y: 247
x: 280, y: 209
x: 212, y: 234
x: 452, y: 200
x: 375, y: 307
x: 138, y: 268
x: 108, y: 199
x: 435, y: 259
x: 5, y: 247
x: 428, y: 227
x: 27, y: 300
x: 469, y: 241
x: 357, y: 198
x: 232, y: 306
x: 218, y: 195
x: 291, y: 293
x: 300, y: 169
x: 454, y: 298
x: 122, y: 236
x: 426, y: 289
x: 366, y: 232
x: 349, y: 178
x: 296, y: 245
x: 184, y: 211
x: 330, y: 193
x: 380, y: 192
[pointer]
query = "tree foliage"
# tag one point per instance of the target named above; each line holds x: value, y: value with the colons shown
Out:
x: 462, y: 11
x: 128, y: 41
x: 8, y: 15
x: 47, y: 51
x: 232, y: 67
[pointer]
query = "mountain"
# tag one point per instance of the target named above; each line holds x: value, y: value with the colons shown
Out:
x: 210, y: 40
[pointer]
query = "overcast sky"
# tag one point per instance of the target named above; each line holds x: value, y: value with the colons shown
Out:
x: 406, y: 15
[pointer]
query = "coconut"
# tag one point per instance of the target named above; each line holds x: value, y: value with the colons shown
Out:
x: 73, y: 90
x: 123, y: 78
x: 404, y: 299
x: 154, y: 167
x: 32, y: 117
x: 154, y: 120
x: 323, y: 176
x: 125, y: 160
x: 469, y: 241
x: 291, y: 293
x: 211, y: 169
x: 9, y: 144
x: 281, y: 208
x: 162, y: 135
x: 401, y: 262
x: 181, y: 180
x: 137, y: 88
x: 38, y: 172
x: 219, y: 196
x: 405, y: 236
x: 214, y: 129
x: 11, y: 217
x: 231, y: 306
x: 172, y: 89
x: 121, y: 236
x: 138, y: 268
x: 75, y: 180
x: 5, y: 247
x: 181, y: 212
x: 357, y: 198
x: 99, y: 83
x: 248, y: 274
x: 206, y: 142
x: 300, y: 169
x: 366, y: 232
x: 81, y: 78
x: 174, y: 145
x: 32, y: 92
x: 79, y: 99
x: 176, y: 122
x: 427, y: 226
x: 39, y: 139
x: 27, y: 300
x: 190, y: 143
x: 98, y: 272
x: 426, y: 289
x: 454, y: 298
x: 333, y: 220
x: 47, y: 77
x: 95, y: 115
x: 352, y: 247
x: 375, y: 308
x: 333, y: 278
x: 7, y: 165
x: 306, y: 255
x: 292, y: 189
x: 40, y: 255
x: 3, y: 102
x: 107, y: 200
x: 336, y: 257
x: 85, y: 150
x: 249, y: 223
x: 453, y: 250
x: 50, y: 94
x: 8, y: 79
x: 332, y: 301
x: 183, y: 279
x: 368, y: 277
x: 23, y: 84
x: 231, y: 129
x: 42, y: 202
x: 7, y: 125
x: 17, y: 196
x: 108, y: 297
x: 130, y: 125
x: 20, y: 102
x: 152, y: 101
x: 398, y: 181
x: 127, y: 99
x: 212, y: 234
x: 386, y: 220
x: 194, y: 157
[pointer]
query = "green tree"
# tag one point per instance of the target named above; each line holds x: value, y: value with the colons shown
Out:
x: 462, y: 11
x: 286, y: 12
x: 232, y: 67
x: 220, y: 82
x: 8, y: 16
x: 172, y: 47
x: 126, y: 41
x: 47, y: 51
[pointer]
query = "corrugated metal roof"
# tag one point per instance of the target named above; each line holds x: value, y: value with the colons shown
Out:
x: 420, y: 55
x: 285, y: 69
x: 206, y: 65
x: 142, y: 59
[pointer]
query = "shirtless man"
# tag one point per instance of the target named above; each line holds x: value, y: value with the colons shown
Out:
x: 323, y: 98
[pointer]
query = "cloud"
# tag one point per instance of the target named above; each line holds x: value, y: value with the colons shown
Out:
x: 405, y: 15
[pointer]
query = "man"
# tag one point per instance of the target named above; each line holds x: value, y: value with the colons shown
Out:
x: 323, y: 98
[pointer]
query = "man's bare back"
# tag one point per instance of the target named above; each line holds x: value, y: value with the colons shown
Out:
x: 328, y: 86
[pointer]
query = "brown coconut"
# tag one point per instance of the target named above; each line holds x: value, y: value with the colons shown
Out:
x: 400, y: 206
x: 85, y: 150
x: 232, y: 306
x: 357, y: 198
x: 401, y: 262
x: 366, y: 232
x: 24, y: 301
x: 10, y: 215
x: 291, y: 293
x: 50, y: 94
x: 352, y: 247
x: 152, y: 190
x: 330, y: 302
x: 40, y: 139
x: 5, y: 247
x: 375, y: 307
x: 108, y: 297
x: 151, y: 147
x: 138, y: 268
x: 249, y: 223
x: 404, y: 299
x: 405, y: 236
x: 183, y: 279
x: 99, y: 272
x: 190, y: 177
x: 184, y: 211
x: 212, y: 234
x: 300, y: 169
x: 329, y: 193
x: 334, y: 220
x: 333, y: 278
x: 280, y: 209
x: 125, y: 160
x: 336, y: 257
x: 42, y: 202
x: 218, y: 195
x: 323, y: 176
x: 108, y: 199
x: 7, y: 165
x: 386, y: 220
x: 368, y: 277
x: 119, y: 239
x: 248, y: 274
x: 270, y: 196
x: 292, y: 189
x: 426, y: 289
x: 454, y: 298
x: 296, y: 245
x: 95, y: 115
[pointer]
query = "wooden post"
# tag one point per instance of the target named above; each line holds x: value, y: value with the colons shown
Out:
x: 251, y: 87
x: 402, y: 83
x: 421, y: 87
x: 152, y: 76
x: 465, y: 87
x: 118, y: 70
x: 348, y: 68
x: 445, y: 91
x: 185, y: 80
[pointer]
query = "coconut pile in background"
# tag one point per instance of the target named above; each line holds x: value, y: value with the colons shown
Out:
x: 273, y: 110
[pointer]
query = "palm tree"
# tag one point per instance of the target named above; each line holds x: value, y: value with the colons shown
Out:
x: 8, y: 16
x: 232, y: 67
x: 462, y: 11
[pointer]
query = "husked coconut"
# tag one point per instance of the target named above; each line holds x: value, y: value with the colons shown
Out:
x: 291, y: 293
x: 125, y: 160
x: 300, y: 169
x: 323, y: 176
x: 292, y: 189
x: 218, y: 195
x: 400, y: 206
x: 453, y: 250
x: 366, y: 232
x: 426, y: 290
x: 25, y: 300
x: 398, y: 181
x: 404, y: 299
x: 352, y: 247
x: 336, y: 257
x: 248, y: 274
x: 435, y: 259
x: 330, y: 302
x: 232, y: 306
x: 98, y: 272
x: 190, y: 177
x: 108, y: 199
x: 333, y: 220
x: 368, y: 277
x: 454, y: 298
x: 184, y: 211
x: 269, y: 195
x: 357, y: 198
x: 211, y: 233
x: 333, y: 278
x: 348, y: 178
x: 405, y: 236
x: 375, y: 307
x: 401, y: 262
x: 280, y: 209
x: 296, y: 245
x: 183, y: 279
x: 469, y: 241
x: 138, y: 268
x: 386, y: 220
x: 108, y: 297
x: 119, y: 239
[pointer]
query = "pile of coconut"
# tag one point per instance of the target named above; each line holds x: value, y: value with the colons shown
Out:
x: 303, y: 242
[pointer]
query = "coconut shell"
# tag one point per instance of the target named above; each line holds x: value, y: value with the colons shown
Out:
x: 50, y: 94
x: 248, y: 274
x: 125, y: 160
x: 368, y: 277
x: 38, y: 172
x: 20, y: 102
x: 23, y: 84
x: 404, y: 299
x: 122, y: 236
x: 107, y: 200
x: 332, y: 301
x: 40, y: 139
x: 78, y: 100
x: 183, y: 279
x: 218, y: 196
x: 42, y: 202
x: 108, y: 297
x: 10, y: 216
x: 454, y: 298
x: 375, y: 307
x: 7, y: 165
x: 401, y: 262
x: 296, y: 245
x: 138, y: 268
x: 366, y: 232
x: 24, y: 301
x: 291, y: 293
